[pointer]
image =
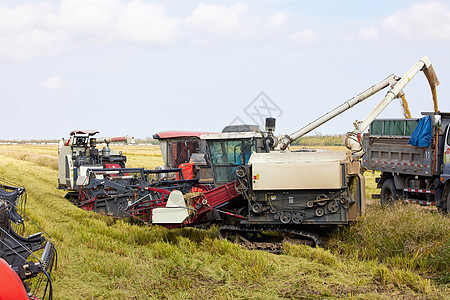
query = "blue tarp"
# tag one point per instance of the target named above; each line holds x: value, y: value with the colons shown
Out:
x: 421, y: 136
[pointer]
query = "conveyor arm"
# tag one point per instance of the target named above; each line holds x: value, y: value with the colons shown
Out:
x: 424, y: 65
x: 286, y: 140
x: 122, y: 139
x: 397, y: 84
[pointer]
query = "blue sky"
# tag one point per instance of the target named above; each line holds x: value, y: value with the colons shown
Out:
x: 138, y: 67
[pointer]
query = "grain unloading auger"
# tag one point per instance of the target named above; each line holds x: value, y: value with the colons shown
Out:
x: 396, y: 83
x: 297, y: 193
x: 354, y: 141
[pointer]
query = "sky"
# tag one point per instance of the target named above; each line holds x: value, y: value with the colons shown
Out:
x: 139, y: 67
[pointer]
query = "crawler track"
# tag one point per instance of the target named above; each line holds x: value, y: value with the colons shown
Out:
x: 255, y: 238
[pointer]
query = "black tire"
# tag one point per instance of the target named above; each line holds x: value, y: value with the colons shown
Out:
x: 388, y: 193
x: 444, y: 206
x: 447, y: 208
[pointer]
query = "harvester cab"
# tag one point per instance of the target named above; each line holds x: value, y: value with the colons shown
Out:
x: 232, y: 148
x: 183, y: 150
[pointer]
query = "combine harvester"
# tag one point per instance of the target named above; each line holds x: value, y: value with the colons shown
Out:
x: 98, y: 180
x: 261, y: 187
x: 82, y: 167
x: 22, y: 274
x: 258, y: 186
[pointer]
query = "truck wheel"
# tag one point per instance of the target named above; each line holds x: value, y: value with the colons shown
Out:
x: 447, y: 208
x: 444, y: 205
x: 388, y: 193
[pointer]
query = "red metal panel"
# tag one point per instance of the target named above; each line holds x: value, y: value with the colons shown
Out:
x: 11, y: 287
x: 112, y: 166
x: 118, y: 139
x: 176, y: 134
x: 214, y: 198
x: 188, y: 171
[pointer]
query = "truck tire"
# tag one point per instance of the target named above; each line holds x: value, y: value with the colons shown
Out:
x: 444, y: 206
x: 447, y: 208
x: 388, y: 192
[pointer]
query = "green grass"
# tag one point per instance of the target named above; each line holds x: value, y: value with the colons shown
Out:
x: 392, y: 253
x: 403, y: 237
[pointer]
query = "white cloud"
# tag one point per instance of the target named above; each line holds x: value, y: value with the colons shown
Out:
x: 41, y: 29
x: 307, y: 35
x: 219, y: 19
x: 114, y: 20
x: 54, y: 83
x: 84, y: 19
x: 430, y: 20
x: 146, y: 22
x: 26, y: 31
x: 368, y: 33
x: 278, y: 19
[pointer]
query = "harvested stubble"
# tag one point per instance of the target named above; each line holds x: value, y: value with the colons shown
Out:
x: 100, y: 257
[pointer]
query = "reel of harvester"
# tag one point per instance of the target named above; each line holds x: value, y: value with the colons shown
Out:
x: 25, y: 262
x: 15, y: 198
x: 128, y: 192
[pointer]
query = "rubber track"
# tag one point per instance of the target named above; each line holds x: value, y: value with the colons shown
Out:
x: 276, y: 248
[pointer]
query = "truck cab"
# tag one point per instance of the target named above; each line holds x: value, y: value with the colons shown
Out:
x: 446, y: 149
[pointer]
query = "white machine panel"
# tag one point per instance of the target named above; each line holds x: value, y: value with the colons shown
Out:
x: 175, y: 211
x: 298, y: 170
x: 83, y: 178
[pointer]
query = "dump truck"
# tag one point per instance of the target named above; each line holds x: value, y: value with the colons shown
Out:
x: 413, y: 156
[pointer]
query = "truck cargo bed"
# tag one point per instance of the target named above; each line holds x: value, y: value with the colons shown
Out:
x: 394, y: 154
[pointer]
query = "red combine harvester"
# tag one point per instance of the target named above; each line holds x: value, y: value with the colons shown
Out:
x: 186, y: 151
x: 98, y: 180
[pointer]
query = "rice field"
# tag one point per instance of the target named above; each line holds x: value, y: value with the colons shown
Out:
x: 397, y: 253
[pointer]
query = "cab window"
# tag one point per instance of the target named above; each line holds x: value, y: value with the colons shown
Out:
x: 180, y: 151
x: 227, y: 155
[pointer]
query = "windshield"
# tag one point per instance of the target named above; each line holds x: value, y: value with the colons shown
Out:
x: 180, y: 151
x: 226, y: 155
